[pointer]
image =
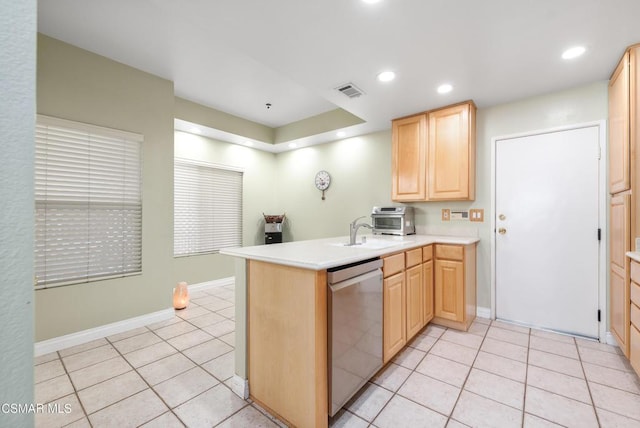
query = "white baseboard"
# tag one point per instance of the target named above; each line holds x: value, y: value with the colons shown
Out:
x: 212, y: 284
x: 84, y: 336
x: 609, y: 339
x: 483, y: 312
x: 240, y: 386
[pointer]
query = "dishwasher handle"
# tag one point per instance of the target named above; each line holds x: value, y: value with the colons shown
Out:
x: 355, y: 280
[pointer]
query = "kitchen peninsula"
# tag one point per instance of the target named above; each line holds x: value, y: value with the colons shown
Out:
x: 282, y: 307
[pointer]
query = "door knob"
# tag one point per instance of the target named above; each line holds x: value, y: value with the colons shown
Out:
x: 502, y: 231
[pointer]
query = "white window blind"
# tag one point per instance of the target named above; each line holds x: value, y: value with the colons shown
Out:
x: 207, y: 208
x: 88, y: 203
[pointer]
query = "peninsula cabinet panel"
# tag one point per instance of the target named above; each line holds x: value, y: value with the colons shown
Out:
x: 409, y: 159
x: 619, y: 142
x: 451, y: 166
x: 287, y: 337
x: 394, y: 315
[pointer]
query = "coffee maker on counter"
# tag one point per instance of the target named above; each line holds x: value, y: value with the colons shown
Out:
x: 273, y: 228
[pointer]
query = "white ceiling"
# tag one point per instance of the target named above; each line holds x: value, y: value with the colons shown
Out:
x: 238, y: 55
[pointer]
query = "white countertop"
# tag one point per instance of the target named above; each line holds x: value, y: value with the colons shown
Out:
x: 634, y: 255
x: 320, y: 254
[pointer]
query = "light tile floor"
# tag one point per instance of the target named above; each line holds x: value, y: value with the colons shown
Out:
x: 177, y: 373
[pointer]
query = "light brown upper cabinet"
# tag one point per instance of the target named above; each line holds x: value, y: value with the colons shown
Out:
x: 409, y: 158
x: 619, y: 97
x: 434, y: 155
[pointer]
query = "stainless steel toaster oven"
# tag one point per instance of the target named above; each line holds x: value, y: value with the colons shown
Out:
x: 393, y: 220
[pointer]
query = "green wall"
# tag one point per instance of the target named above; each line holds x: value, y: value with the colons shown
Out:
x: 78, y: 85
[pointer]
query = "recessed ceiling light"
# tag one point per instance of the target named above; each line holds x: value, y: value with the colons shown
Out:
x: 292, y: 145
x: 386, y: 76
x: 445, y: 88
x: 371, y: 1
x: 573, y: 52
x: 196, y: 130
x: 341, y: 134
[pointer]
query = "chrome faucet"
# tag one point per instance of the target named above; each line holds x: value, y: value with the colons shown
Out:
x: 353, y: 229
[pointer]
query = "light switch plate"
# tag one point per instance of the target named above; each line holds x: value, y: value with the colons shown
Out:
x: 446, y: 214
x: 476, y: 214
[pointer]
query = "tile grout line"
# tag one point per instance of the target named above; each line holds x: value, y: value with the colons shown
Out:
x: 586, y: 381
x: 526, y: 384
x: 468, y: 374
x: 75, y: 391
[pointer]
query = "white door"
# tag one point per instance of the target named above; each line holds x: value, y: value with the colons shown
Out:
x: 547, y: 230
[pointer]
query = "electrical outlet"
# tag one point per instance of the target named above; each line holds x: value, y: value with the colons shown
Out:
x: 446, y: 214
x: 476, y: 214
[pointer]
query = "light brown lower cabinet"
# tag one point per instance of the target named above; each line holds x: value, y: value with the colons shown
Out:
x: 427, y: 297
x: 394, y: 315
x: 408, y: 302
x: 414, y: 300
x: 455, y: 286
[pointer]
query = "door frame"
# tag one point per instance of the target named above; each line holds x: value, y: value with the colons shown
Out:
x: 603, y: 217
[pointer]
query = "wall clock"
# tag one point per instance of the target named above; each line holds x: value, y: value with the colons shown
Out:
x: 323, y: 180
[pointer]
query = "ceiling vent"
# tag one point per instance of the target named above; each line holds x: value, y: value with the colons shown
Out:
x: 350, y: 90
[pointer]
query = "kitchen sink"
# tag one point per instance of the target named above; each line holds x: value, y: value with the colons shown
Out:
x: 372, y: 244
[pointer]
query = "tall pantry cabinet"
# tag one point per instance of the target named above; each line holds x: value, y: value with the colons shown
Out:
x: 624, y: 187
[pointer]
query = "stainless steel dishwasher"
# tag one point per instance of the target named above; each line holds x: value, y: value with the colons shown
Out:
x: 355, y: 328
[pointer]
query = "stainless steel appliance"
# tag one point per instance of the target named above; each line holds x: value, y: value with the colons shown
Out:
x: 393, y: 221
x: 355, y: 328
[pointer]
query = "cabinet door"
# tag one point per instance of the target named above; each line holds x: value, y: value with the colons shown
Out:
x: 620, y: 241
x: 427, y: 292
x: 449, y: 290
x: 619, y: 161
x: 409, y: 159
x: 394, y: 315
x: 452, y: 153
x: 619, y: 307
x: 619, y: 299
x: 415, y: 299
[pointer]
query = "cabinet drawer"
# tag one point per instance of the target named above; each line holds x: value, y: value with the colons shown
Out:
x: 635, y: 272
x: 427, y: 253
x: 634, y: 354
x: 413, y: 257
x: 451, y: 252
x: 635, y: 293
x: 393, y: 264
x: 635, y: 316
